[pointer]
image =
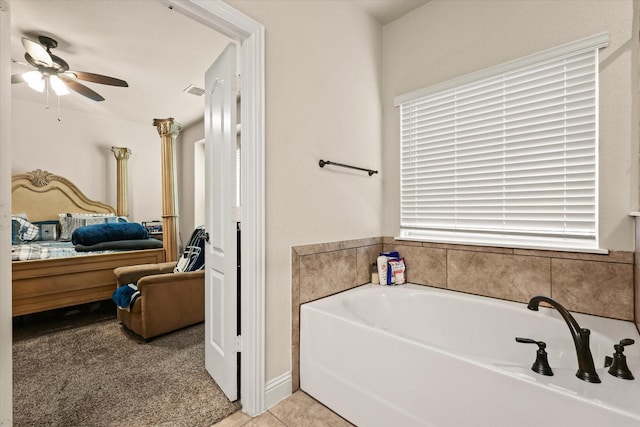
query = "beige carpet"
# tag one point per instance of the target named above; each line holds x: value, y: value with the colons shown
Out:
x: 94, y: 373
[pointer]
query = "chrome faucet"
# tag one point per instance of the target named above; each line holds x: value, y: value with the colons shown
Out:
x: 586, y: 369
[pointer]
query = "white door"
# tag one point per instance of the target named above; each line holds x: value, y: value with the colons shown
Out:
x: 221, y: 322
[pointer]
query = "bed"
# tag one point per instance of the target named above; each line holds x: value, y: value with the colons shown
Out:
x: 45, y: 284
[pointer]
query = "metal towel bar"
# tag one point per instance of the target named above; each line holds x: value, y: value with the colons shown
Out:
x: 322, y: 163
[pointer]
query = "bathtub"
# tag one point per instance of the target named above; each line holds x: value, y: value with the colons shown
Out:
x: 418, y: 356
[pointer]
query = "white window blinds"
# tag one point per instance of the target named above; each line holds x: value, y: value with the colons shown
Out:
x: 508, y: 158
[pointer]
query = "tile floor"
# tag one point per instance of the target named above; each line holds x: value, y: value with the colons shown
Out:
x: 297, y: 410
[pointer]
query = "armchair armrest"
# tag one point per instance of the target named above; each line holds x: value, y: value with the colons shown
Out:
x: 133, y: 273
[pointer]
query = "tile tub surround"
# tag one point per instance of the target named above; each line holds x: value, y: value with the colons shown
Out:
x: 636, y: 277
x: 323, y: 269
x: 602, y: 285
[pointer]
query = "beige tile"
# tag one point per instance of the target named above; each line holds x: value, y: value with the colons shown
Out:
x: 511, y: 277
x: 613, y: 256
x: 488, y: 249
x: 357, y: 243
x: 393, y: 241
x: 424, y: 266
x: 636, y: 276
x: 326, y: 274
x: 302, y: 410
x: 317, y: 248
x: 236, y: 419
x: 295, y: 317
x: 295, y: 271
x: 636, y: 292
x: 266, y: 419
x: 600, y: 288
x: 365, y: 256
x: 295, y: 366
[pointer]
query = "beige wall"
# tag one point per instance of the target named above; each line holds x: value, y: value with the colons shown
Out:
x: 446, y: 39
x: 323, y: 88
x: 185, y: 173
x: 74, y: 149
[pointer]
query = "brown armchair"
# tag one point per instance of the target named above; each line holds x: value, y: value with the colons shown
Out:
x: 168, y: 301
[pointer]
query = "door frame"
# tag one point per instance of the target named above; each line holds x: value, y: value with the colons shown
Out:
x: 6, y: 360
x: 221, y: 17
x: 225, y: 19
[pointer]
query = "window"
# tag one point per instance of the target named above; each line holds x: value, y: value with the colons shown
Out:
x: 507, y: 156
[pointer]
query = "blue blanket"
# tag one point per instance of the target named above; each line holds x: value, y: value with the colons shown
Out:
x: 126, y: 295
x: 121, y: 245
x: 98, y: 233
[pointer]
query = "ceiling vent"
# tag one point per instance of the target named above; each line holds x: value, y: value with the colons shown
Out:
x: 194, y: 90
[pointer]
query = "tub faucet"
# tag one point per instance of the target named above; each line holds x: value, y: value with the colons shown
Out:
x: 586, y: 369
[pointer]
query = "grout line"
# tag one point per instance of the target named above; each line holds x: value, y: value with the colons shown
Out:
x: 279, y: 420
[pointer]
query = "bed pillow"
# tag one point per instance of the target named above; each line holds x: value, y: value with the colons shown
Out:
x: 49, y: 230
x: 15, y: 229
x: 22, y: 230
x: 70, y: 221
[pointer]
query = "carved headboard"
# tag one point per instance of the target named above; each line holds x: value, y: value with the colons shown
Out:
x: 43, y: 195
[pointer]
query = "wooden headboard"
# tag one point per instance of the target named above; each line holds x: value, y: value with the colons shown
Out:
x: 43, y: 195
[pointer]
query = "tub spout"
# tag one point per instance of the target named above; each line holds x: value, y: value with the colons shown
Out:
x: 586, y: 369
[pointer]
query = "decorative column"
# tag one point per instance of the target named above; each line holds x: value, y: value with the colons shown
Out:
x: 169, y: 130
x: 122, y: 155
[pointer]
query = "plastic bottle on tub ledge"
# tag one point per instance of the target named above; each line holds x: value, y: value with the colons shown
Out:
x: 391, y: 268
x: 382, y: 269
x: 374, y: 274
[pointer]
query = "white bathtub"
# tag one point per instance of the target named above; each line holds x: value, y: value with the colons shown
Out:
x: 417, y: 356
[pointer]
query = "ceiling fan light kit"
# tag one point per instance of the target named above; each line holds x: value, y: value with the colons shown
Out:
x: 35, y: 80
x: 58, y: 86
x: 54, y: 71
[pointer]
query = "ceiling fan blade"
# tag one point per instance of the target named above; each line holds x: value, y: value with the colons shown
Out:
x: 24, y: 64
x: 17, y: 78
x: 37, y: 52
x: 98, y: 78
x: 80, y: 88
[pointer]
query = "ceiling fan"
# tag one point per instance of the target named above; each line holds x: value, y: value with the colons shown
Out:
x: 54, y: 71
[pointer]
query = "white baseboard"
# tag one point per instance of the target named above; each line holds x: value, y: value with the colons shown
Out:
x: 277, y: 390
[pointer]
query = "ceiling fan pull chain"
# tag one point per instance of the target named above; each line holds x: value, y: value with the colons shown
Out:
x: 59, y: 119
x: 46, y: 89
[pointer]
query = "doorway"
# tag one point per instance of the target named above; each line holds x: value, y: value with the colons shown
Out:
x: 226, y: 20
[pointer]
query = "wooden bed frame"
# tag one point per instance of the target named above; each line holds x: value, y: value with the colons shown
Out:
x: 46, y: 284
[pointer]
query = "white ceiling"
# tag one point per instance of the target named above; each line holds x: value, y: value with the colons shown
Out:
x: 159, y: 52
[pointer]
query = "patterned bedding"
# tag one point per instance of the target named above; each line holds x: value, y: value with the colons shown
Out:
x: 47, y: 249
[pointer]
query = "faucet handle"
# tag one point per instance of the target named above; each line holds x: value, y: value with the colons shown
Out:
x: 541, y: 365
x: 618, y: 365
x: 541, y: 344
x: 608, y: 360
x: 624, y: 342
